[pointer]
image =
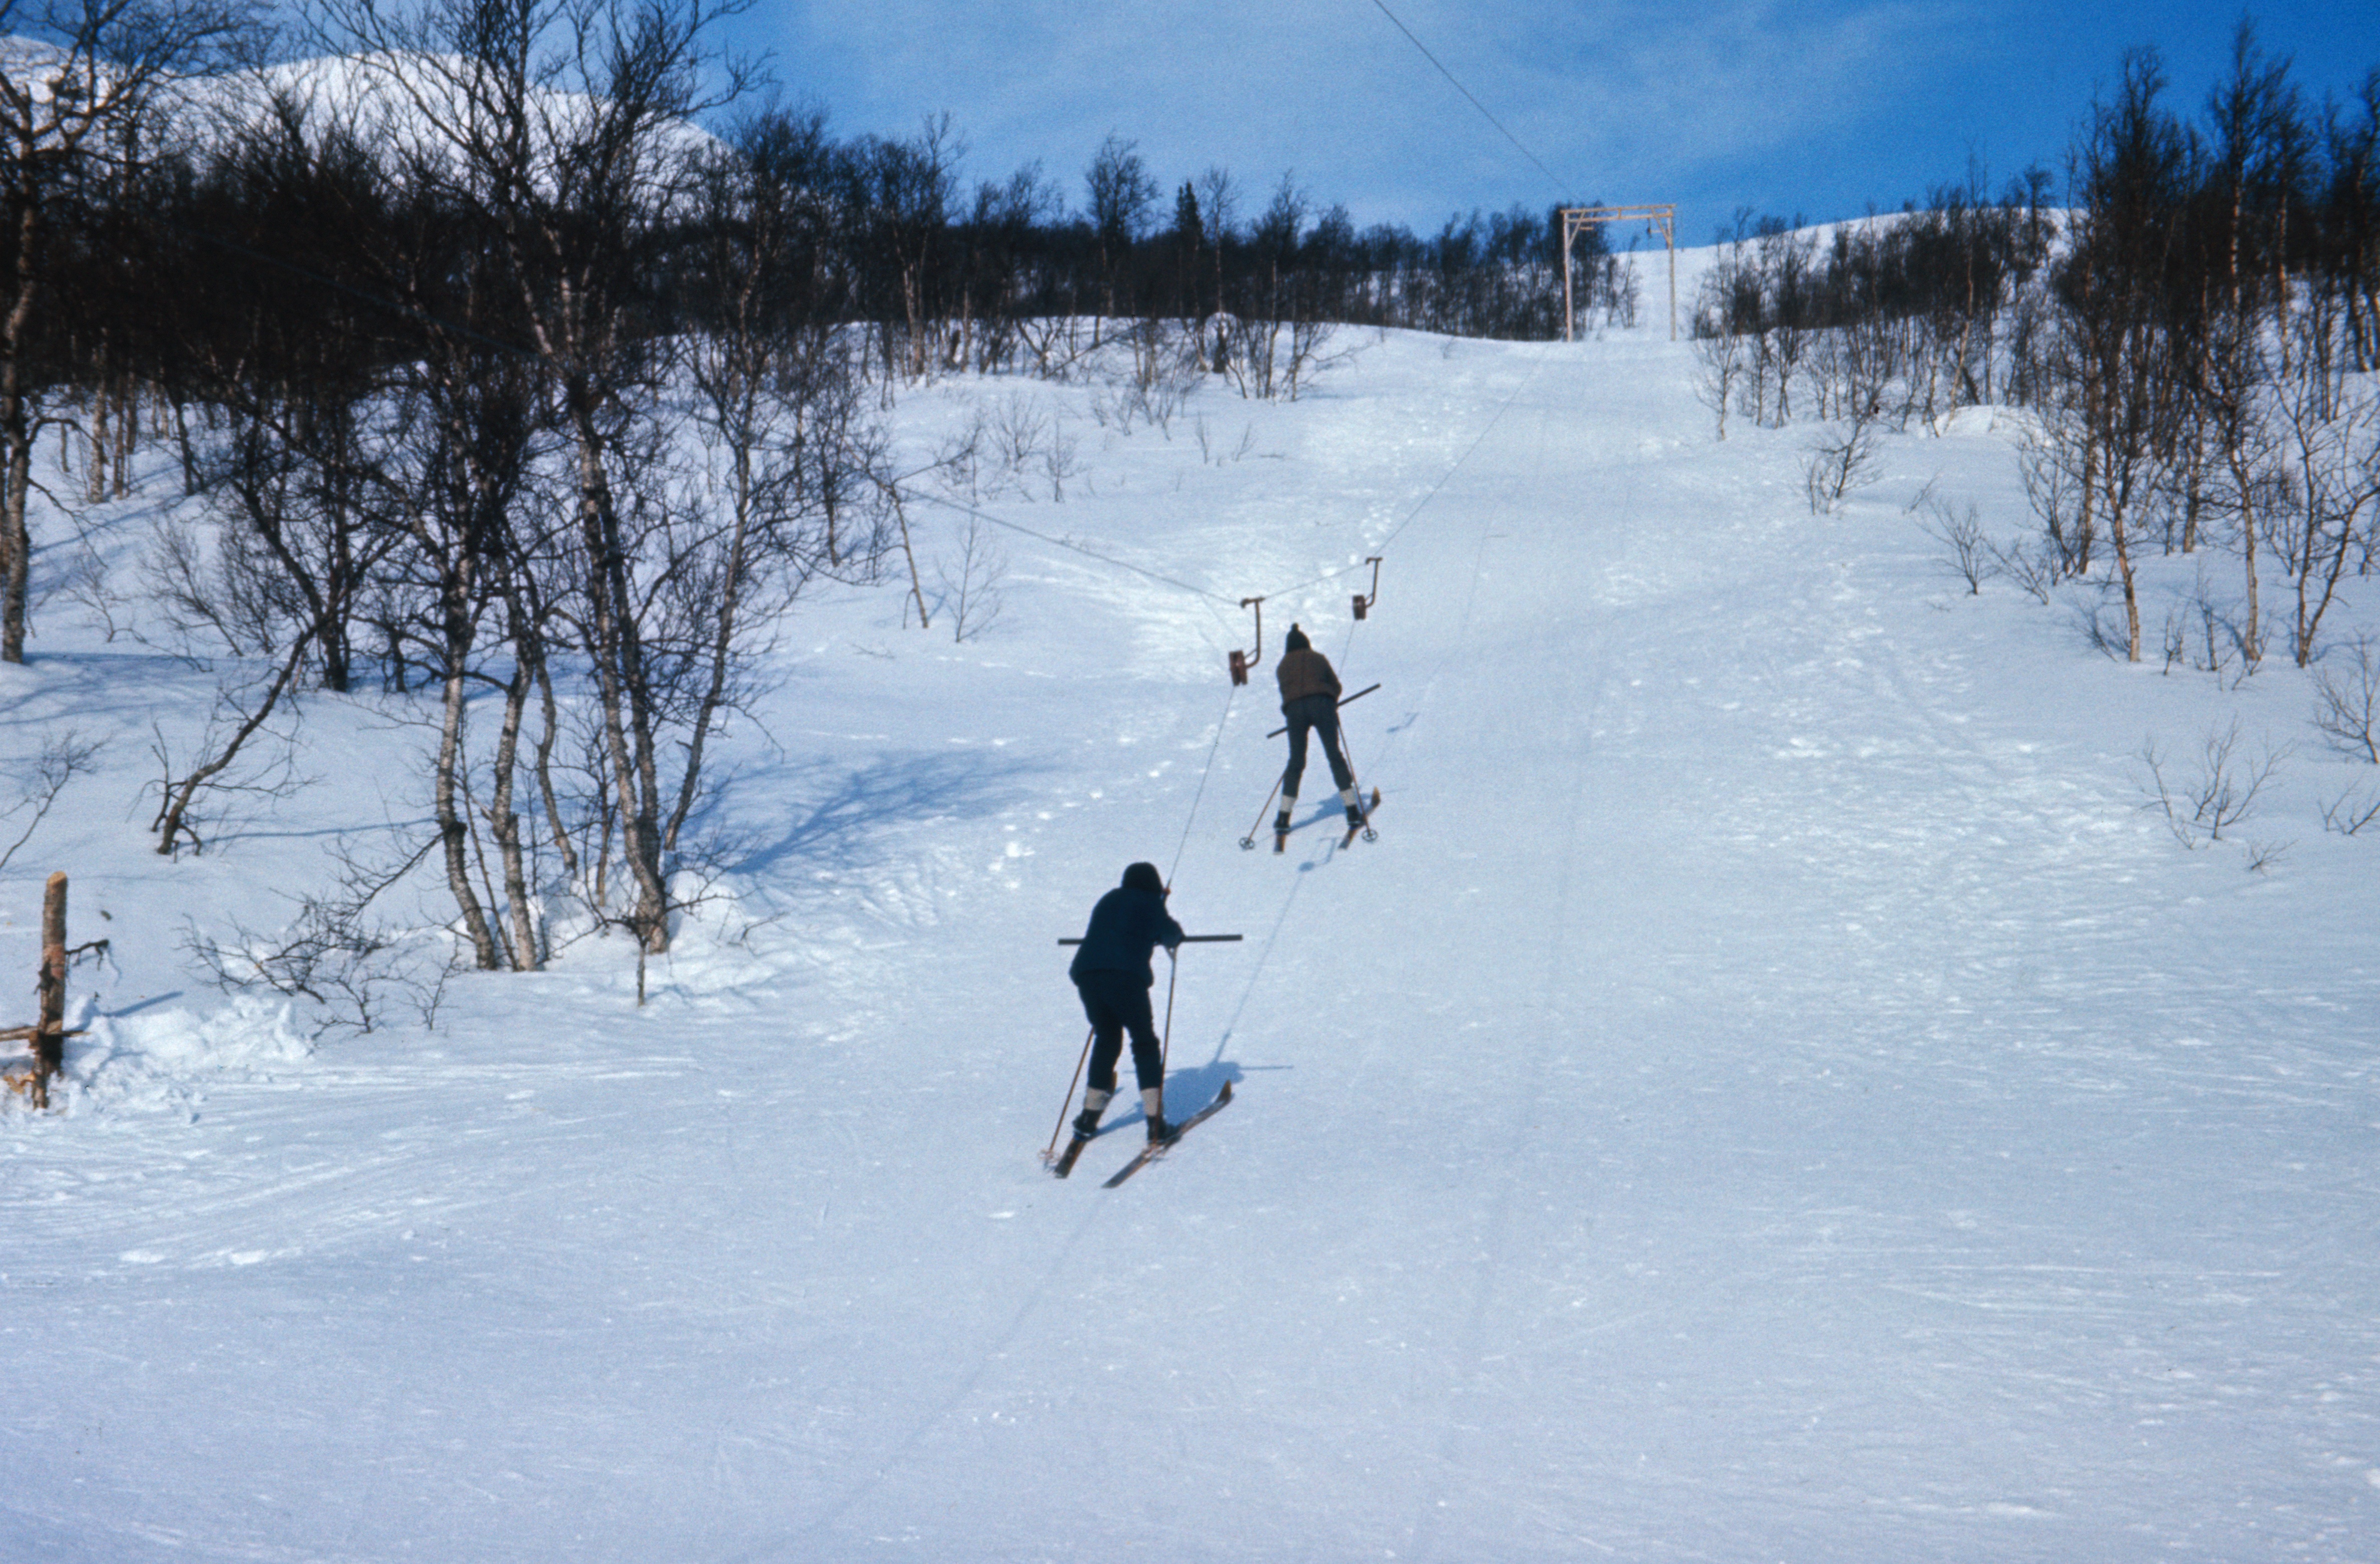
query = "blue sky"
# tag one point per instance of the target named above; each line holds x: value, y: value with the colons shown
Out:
x: 1815, y: 108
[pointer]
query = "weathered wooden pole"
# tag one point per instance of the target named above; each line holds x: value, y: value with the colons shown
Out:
x: 1569, y: 311
x: 1662, y: 220
x: 50, y: 1032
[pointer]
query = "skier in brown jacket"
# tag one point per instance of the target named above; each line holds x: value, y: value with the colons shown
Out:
x: 1309, y: 698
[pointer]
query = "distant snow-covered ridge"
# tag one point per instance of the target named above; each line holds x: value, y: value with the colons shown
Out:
x: 423, y: 108
x: 426, y: 103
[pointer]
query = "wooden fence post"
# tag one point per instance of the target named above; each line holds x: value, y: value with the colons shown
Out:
x: 49, y: 1035
x: 50, y: 1032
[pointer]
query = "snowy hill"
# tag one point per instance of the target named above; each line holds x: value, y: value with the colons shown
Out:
x: 1772, y: 1091
x: 415, y: 102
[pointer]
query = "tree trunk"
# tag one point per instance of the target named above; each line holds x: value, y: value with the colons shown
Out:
x: 504, y: 821
x: 50, y: 1034
x: 721, y: 649
x: 617, y: 658
x: 16, y: 433
x: 2251, y: 638
x: 452, y: 828
x: 545, y: 738
x: 2122, y: 546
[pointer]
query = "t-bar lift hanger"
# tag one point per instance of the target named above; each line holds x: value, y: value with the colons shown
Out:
x: 1363, y: 604
x: 1244, y: 661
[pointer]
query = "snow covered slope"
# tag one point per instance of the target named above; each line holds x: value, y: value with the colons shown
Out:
x: 1771, y: 1092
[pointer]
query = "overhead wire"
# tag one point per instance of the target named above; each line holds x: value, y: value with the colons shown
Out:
x: 1209, y: 593
x: 1475, y: 102
x: 1181, y: 846
x: 1423, y: 503
x: 1519, y: 146
x: 965, y: 509
x: 1264, y: 951
x: 1212, y: 597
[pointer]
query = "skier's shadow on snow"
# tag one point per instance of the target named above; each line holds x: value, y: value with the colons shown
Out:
x: 1188, y: 1090
x: 842, y: 829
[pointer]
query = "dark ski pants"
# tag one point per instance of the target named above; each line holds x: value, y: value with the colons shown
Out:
x: 1320, y: 713
x: 1117, y: 1002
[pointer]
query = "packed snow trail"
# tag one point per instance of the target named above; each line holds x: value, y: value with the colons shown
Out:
x: 1769, y: 1092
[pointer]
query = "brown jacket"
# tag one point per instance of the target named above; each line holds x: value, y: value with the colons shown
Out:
x: 1304, y: 673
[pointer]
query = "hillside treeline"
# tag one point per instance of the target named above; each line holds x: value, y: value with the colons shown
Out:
x: 2194, y: 333
x: 492, y: 382
x: 171, y: 221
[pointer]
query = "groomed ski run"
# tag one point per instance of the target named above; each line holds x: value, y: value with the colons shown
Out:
x: 1782, y: 1097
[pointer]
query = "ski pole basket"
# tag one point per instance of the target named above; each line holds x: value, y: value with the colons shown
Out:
x: 1363, y: 604
x: 1244, y: 661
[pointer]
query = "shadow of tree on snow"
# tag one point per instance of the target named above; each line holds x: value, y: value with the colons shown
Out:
x: 843, y: 820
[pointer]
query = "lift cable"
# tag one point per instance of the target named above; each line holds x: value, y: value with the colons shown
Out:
x: 1560, y: 188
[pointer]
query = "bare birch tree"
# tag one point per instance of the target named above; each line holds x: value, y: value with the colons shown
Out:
x: 566, y: 126
x: 78, y: 80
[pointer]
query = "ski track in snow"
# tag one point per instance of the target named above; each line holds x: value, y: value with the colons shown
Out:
x: 1769, y: 1092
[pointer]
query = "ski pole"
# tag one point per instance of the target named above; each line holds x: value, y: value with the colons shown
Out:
x: 1165, y: 1046
x: 1050, y: 1152
x: 1363, y: 809
x: 1191, y: 940
x: 1248, y: 842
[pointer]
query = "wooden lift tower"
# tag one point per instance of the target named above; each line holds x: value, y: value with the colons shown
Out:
x: 1662, y: 220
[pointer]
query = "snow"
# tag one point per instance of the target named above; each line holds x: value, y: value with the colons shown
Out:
x: 408, y: 98
x: 1770, y: 1092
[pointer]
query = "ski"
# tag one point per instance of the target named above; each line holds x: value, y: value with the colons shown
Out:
x: 1066, y: 1158
x: 1065, y: 1163
x: 1151, y: 1154
x: 1363, y: 826
x: 1281, y: 838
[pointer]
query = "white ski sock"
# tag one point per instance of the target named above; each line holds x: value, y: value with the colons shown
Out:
x: 1347, y: 796
x: 1152, y: 1102
x: 1288, y: 805
x: 1095, y: 1101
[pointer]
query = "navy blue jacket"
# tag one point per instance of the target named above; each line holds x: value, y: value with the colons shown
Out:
x: 1125, y: 927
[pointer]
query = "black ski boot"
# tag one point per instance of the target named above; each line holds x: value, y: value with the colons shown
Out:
x: 1087, y: 1126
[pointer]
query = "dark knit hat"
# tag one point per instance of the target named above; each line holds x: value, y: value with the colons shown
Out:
x: 1144, y: 877
x: 1297, y: 641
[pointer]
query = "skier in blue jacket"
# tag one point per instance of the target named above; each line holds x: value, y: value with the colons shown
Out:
x: 1112, y: 972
